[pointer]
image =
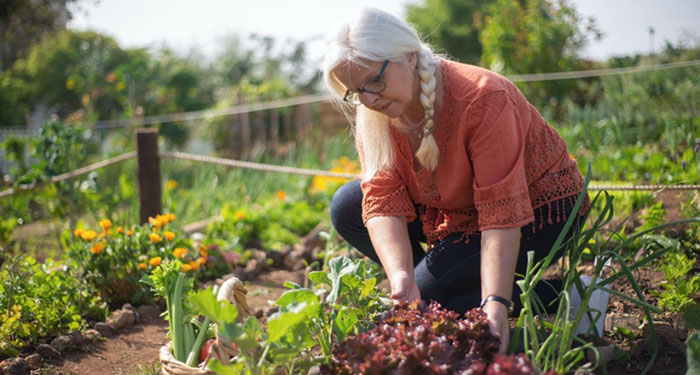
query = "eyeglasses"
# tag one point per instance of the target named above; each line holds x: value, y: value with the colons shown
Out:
x: 373, y: 86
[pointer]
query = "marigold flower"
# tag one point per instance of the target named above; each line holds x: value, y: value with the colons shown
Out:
x: 239, y: 215
x: 194, y: 265
x: 281, y: 195
x: 97, y: 248
x: 186, y: 268
x: 180, y: 252
x: 155, y: 261
x: 170, y: 217
x: 129, y: 232
x: 105, y: 224
x: 155, y: 238
x: 88, y: 235
x: 202, y: 260
x: 168, y: 235
x: 170, y: 185
x: 120, y: 230
x: 157, y: 222
x: 142, y: 266
x: 78, y: 232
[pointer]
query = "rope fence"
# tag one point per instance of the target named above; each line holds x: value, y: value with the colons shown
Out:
x: 71, y: 174
x: 283, y: 169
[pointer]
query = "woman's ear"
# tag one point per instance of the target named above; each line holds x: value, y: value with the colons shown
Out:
x: 413, y: 60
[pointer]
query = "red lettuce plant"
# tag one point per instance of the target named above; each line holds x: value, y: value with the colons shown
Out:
x: 417, y: 338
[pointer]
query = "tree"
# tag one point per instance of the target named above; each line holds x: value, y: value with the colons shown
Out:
x: 537, y: 36
x: 451, y: 25
x: 25, y: 22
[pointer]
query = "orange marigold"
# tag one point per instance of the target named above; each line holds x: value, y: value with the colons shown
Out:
x: 239, y: 216
x: 155, y: 261
x: 186, y: 268
x: 180, y: 252
x: 105, y: 224
x: 202, y: 260
x: 142, y: 266
x: 120, y: 230
x: 97, y: 248
x: 78, y: 232
x: 155, y: 238
x: 281, y: 195
x: 88, y: 235
x: 168, y: 235
x: 129, y: 232
x: 194, y: 265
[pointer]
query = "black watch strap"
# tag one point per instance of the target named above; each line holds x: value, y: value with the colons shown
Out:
x: 506, y: 302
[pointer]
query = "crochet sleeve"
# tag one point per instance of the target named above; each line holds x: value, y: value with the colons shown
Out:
x: 495, y: 144
x: 384, y: 194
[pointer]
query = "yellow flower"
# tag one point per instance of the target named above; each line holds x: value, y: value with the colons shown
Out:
x: 120, y: 230
x: 168, y: 235
x: 239, y: 216
x: 78, y: 232
x: 105, y: 224
x: 157, y: 222
x: 129, y: 232
x: 202, y: 260
x: 88, y: 235
x: 180, y: 252
x: 186, y: 268
x: 170, y: 185
x: 155, y: 261
x: 97, y: 248
x: 194, y: 265
x: 170, y: 217
x: 142, y: 266
x: 155, y: 238
x: 281, y: 195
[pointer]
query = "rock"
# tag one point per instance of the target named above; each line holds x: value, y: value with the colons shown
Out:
x: 47, y: 351
x: 128, y: 306
x: 77, y: 338
x: 629, y: 321
x: 14, y: 366
x: 60, y: 343
x: 104, y: 329
x: 92, y: 334
x: 148, y: 312
x: 121, y: 319
x: 671, y: 340
x: 313, y: 238
x: 277, y: 258
x: 252, y: 268
x: 606, y: 353
x: 34, y: 361
x: 314, y: 370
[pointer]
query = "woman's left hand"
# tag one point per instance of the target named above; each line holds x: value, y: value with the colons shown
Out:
x: 497, y: 315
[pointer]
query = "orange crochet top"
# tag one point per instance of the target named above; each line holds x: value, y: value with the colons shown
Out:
x: 499, y: 160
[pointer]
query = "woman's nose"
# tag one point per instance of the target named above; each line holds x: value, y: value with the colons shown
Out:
x: 369, y: 98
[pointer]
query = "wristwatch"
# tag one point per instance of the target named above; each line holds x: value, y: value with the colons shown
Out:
x: 506, y: 302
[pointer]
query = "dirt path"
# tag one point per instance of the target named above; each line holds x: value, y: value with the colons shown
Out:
x: 135, y: 350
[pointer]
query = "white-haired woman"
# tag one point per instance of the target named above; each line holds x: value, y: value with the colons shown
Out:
x: 453, y: 156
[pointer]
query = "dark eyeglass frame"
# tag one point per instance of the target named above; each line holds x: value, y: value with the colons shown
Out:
x: 378, y: 78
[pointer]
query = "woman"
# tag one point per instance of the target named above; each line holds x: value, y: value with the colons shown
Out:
x: 454, y: 156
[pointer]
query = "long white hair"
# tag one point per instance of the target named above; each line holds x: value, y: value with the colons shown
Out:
x: 374, y: 35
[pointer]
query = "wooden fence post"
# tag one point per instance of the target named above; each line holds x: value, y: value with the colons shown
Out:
x: 148, y: 170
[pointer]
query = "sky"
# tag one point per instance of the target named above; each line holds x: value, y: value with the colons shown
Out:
x: 202, y: 25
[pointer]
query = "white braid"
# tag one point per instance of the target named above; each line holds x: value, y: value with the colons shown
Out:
x: 428, y: 151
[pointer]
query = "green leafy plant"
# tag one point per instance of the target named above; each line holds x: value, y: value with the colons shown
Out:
x: 680, y: 285
x: 550, y: 344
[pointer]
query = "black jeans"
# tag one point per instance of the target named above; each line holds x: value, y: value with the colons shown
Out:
x: 450, y: 272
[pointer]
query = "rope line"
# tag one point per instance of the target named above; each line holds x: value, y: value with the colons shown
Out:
x: 256, y: 166
x: 599, y: 72
x: 309, y: 99
x: 318, y: 172
x: 276, y: 168
x: 71, y: 174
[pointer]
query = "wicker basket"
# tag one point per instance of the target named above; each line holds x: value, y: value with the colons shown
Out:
x: 231, y: 290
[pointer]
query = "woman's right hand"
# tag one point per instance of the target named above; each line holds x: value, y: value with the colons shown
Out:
x: 403, y: 287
